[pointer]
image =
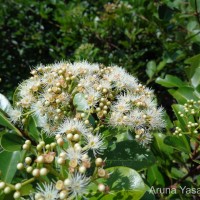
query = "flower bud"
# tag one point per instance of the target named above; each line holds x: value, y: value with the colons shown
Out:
x: 59, y: 185
x: 18, y: 186
x: 43, y: 171
x: 101, y: 187
x: 36, y: 172
x: 2, y: 185
x: 40, y: 159
x: 82, y: 169
x: 67, y: 182
x: 99, y: 162
x: 28, y: 160
x: 7, y: 190
x: 20, y: 166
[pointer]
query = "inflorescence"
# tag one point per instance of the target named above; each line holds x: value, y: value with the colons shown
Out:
x: 72, y: 103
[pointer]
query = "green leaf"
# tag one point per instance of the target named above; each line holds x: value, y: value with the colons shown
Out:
x: 32, y: 129
x: 5, y: 122
x: 161, y: 65
x: 195, y: 80
x: 176, y: 173
x: 183, y: 94
x: 161, y: 146
x: 8, y: 166
x: 80, y: 102
x: 148, y: 194
x: 11, y: 142
x: 129, y: 154
x: 26, y: 190
x: 4, y: 103
x: 151, y: 68
x: 194, y: 63
x: 154, y: 176
x: 170, y: 81
x: 124, y: 182
x: 178, y: 142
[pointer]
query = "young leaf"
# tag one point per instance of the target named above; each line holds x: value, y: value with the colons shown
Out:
x: 170, y: 81
x: 151, y: 68
x: 80, y: 102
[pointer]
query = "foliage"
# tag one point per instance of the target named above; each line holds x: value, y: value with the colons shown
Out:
x: 177, y: 152
x: 152, y: 35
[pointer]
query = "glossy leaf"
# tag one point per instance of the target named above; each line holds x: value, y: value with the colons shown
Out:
x: 32, y: 129
x: 195, y: 80
x: 161, y: 146
x: 11, y: 142
x: 154, y: 176
x: 129, y: 154
x: 183, y: 94
x: 179, y: 143
x: 8, y: 165
x: 124, y: 183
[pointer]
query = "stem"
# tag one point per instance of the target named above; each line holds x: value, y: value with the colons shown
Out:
x: 11, y: 186
x: 28, y: 181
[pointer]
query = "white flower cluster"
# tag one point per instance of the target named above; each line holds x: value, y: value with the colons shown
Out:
x: 113, y: 96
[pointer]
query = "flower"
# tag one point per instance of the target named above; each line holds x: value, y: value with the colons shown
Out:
x: 117, y: 119
x: 95, y: 143
x: 78, y: 183
x: 92, y: 96
x: 155, y: 118
x: 47, y: 191
x: 83, y: 68
x: 121, y: 79
x: 121, y: 106
x: 38, y: 108
x: 15, y: 115
x: 145, y: 138
x: 70, y: 125
x: 74, y: 155
x: 28, y: 87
